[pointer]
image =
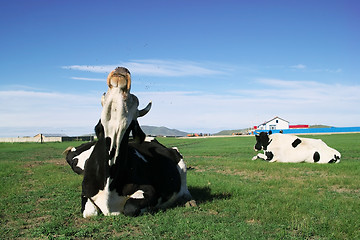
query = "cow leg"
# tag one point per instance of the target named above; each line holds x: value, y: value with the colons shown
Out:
x: 336, y: 159
x: 140, y: 201
x: 184, y: 193
x: 88, y: 209
x: 259, y: 155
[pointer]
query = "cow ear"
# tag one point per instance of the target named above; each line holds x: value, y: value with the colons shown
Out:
x: 137, y: 132
x: 99, y: 130
x: 103, y: 99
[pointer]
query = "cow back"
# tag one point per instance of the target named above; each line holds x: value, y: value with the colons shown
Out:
x: 157, y: 165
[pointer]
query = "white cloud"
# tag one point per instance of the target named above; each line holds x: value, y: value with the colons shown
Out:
x: 305, y: 102
x: 338, y: 70
x: 309, y: 94
x: 306, y: 69
x: 89, y: 68
x: 89, y: 79
x: 154, y: 67
x: 170, y: 68
x: 298, y: 102
x: 20, y: 109
x: 298, y: 66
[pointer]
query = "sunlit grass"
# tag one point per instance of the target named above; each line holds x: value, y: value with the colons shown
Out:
x: 237, y: 198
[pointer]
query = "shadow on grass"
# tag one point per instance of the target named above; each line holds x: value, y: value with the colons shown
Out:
x: 203, y: 194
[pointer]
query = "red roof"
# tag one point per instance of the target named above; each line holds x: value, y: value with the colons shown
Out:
x: 299, y: 126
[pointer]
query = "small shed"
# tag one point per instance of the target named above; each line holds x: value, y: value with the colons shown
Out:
x: 61, y: 138
x: 274, y: 124
x: 46, y: 137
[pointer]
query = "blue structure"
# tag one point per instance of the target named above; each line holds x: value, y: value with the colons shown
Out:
x: 314, y: 130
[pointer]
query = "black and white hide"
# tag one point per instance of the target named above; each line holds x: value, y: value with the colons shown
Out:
x: 292, y: 149
x: 122, y: 176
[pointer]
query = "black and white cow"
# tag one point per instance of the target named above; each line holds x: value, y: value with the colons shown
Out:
x: 290, y: 148
x: 122, y: 176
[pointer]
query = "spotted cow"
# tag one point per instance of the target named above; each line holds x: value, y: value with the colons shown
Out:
x: 122, y: 176
x: 290, y: 148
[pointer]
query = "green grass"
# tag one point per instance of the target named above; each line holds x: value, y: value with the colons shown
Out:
x: 237, y: 198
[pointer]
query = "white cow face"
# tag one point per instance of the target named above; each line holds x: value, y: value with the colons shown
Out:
x: 120, y: 108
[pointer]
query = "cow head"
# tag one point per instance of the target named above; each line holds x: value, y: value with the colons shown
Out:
x: 262, y: 141
x: 120, y: 109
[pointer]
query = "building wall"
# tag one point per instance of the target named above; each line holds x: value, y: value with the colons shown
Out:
x: 277, y: 124
x: 274, y: 124
x: 318, y: 130
x: 31, y: 139
x: 37, y: 138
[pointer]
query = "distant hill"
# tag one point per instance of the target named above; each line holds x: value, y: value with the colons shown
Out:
x: 162, y: 131
x: 319, y: 126
x: 230, y: 132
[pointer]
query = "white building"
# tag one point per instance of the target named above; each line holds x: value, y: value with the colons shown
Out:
x: 274, y: 124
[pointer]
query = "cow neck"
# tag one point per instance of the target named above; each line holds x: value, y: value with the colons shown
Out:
x: 119, y: 151
x: 265, y: 140
x: 119, y: 168
x: 115, y: 122
x: 267, y: 144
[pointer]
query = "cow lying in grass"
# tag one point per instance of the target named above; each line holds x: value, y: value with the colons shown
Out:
x: 122, y: 176
x: 290, y: 148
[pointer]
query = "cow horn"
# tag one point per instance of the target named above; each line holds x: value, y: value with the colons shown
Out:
x: 102, y: 99
x: 144, y: 111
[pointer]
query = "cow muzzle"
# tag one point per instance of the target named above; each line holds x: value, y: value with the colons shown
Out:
x: 121, y: 78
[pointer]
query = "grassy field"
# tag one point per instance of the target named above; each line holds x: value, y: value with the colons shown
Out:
x: 237, y: 198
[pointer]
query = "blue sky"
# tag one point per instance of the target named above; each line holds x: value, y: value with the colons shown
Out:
x: 206, y: 65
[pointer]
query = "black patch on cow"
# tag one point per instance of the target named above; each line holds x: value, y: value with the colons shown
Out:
x: 269, y: 156
x: 99, y: 130
x: 96, y: 167
x: 138, y: 134
x: 120, y: 171
x: 71, y: 156
x: 262, y: 141
x: 316, y: 157
x: 258, y: 143
x: 133, y: 206
x: 159, y: 170
x: 332, y: 161
x: 108, y: 143
x: 112, y: 153
x: 296, y: 143
x: 83, y: 203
